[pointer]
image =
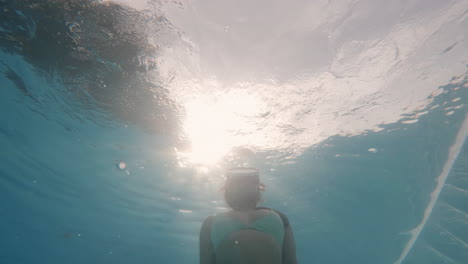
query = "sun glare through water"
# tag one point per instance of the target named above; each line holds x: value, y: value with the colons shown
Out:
x: 216, y: 123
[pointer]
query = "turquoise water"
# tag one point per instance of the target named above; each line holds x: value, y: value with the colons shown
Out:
x: 105, y: 160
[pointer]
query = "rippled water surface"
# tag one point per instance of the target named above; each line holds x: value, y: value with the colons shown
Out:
x: 117, y: 119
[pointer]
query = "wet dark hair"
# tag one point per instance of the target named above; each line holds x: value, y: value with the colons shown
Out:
x: 243, y: 192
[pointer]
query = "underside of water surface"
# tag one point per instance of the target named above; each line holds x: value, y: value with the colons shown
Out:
x: 119, y: 118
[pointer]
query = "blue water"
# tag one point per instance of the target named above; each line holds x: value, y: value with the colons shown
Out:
x: 76, y: 99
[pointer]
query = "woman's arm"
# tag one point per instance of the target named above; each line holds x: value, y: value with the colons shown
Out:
x: 207, y: 255
x: 289, y: 246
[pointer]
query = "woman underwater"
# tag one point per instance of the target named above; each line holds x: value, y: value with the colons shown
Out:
x: 247, y: 234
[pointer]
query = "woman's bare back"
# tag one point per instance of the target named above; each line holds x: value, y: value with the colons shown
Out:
x: 249, y: 246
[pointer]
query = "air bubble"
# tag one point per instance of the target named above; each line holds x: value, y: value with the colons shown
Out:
x: 373, y: 150
x: 121, y: 165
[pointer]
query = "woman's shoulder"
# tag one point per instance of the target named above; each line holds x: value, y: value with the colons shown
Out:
x: 208, y: 220
x: 264, y: 212
x: 244, y: 216
x: 283, y: 217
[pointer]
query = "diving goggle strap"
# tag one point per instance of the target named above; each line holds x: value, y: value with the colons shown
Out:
x: 243, y: 173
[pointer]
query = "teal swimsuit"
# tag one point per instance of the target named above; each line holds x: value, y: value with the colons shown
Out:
x: 223, y: 225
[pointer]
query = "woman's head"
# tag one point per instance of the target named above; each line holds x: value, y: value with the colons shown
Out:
x: 242, y: 189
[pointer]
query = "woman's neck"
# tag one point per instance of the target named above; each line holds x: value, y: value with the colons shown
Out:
x: 245, y: 210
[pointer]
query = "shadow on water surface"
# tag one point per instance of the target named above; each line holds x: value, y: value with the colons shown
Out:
x: 101, y: 52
